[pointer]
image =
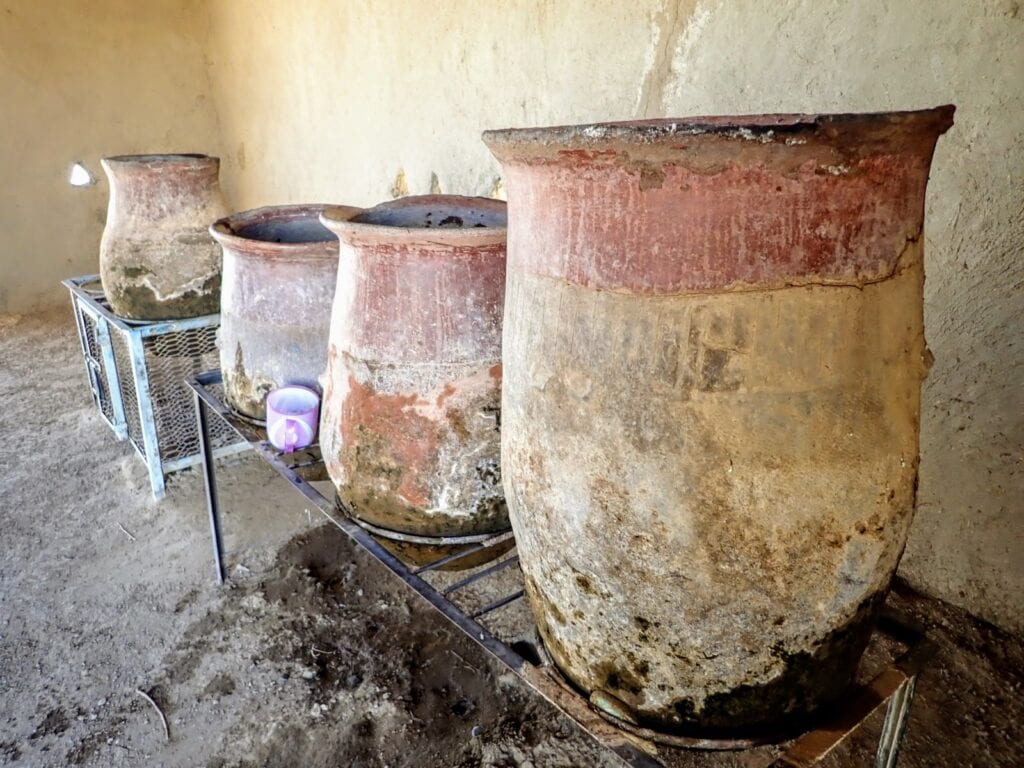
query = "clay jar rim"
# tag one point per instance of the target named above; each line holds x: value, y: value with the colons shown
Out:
x: 426, y: 238
x: 547, y: 142
x: 159, y: 162
x: 226, y: 231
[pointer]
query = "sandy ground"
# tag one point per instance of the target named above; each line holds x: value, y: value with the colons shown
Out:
x: 313, y: 655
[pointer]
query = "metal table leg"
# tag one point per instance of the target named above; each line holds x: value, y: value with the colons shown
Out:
x: 147, y: 418
x: 210, y: 479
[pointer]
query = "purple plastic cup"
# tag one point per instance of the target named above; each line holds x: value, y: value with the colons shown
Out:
x: 292, y: 412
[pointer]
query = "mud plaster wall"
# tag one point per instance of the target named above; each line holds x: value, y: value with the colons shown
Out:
x: 78, y: 81
x: 355, y: 102
x: 966, y: 545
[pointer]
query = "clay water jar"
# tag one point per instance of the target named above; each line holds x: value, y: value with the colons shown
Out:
x: 157, y: 260
x: 280, y: 272
x: 713, y: 354
x: 410, y: 418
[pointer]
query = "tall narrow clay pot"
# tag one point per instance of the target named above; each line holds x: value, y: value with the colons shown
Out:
x: 410, y: 419
x: 157, y: 260
x: 280, y: 272
x: 713, y: 354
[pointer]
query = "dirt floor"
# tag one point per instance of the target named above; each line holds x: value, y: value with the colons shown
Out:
x: 313, y: 655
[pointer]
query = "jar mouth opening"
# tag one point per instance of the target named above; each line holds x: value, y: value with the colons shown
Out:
x: 305, y: 230
x: 757, y: 126
x: 288, y: 227
x: 300, y: 227
x: 435, y: 212
x: 184, y: 157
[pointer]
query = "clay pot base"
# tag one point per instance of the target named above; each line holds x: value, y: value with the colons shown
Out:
x: 129, y: 321
x: 601, y: 704
x: 95, y: 289
x: 252, y: 420
x: 417, y: 551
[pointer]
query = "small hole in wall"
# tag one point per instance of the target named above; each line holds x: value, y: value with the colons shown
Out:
x: 80, y: 176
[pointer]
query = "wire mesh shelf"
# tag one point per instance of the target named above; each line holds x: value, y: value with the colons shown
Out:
x: 136, y: 373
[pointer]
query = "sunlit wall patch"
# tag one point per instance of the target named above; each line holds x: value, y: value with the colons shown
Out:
x: 80, y: 176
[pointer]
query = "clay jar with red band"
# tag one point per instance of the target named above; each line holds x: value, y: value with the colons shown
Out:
x: 157, y: 260
x: 410, y: 425
x: 713, y: 354
x: 280, y: 273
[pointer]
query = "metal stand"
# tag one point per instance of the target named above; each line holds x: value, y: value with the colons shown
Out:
x: 894, y: 687
x: 135, y: 373
x: 210, y: 481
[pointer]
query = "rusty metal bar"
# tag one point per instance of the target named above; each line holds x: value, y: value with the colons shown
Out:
x: 498, y: 604
x: 210, y: 481
x: 489, y: 542
x: 481, y: 575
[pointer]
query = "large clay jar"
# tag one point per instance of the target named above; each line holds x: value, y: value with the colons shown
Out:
x: 280, y: 272
x: 713, y: 354
x: 411, y: 405
x: 157, y: 260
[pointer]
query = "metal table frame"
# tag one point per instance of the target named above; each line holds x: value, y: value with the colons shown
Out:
x: 893, y: 688
x: 130, y: 394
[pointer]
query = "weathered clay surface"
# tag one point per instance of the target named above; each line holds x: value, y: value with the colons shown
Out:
x: 713, y: 354
x: 410, y: 426
x: 157, y: 261
x: 280, y: 273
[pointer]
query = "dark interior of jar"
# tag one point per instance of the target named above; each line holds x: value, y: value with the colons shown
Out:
x: 306, y: 229
x: 428, y: 216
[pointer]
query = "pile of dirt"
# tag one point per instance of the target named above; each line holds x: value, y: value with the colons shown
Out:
x: 360, y: 673
x: 378, y: 677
